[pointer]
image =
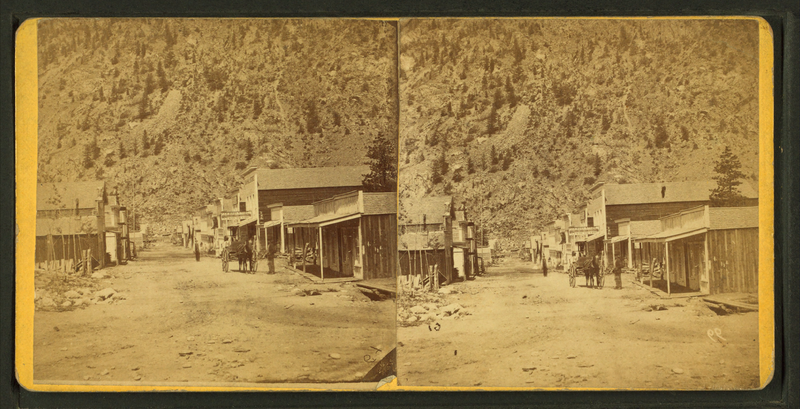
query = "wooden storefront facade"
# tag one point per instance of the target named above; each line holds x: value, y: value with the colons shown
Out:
x: 353, y: 235
x: 707, y: 250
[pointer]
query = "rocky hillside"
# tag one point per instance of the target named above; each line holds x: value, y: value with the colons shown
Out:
x: 170, y: 111
x: 519, y: 118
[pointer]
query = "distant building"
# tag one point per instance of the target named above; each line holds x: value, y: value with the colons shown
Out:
x: 70, y: 218
x: 707, y: 249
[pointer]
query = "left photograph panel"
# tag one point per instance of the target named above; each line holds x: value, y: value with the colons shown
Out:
x: 215, y: 203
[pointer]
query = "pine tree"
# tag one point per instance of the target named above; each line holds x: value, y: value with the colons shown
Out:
x: 457, y: 177
x: 383, y: 166
x: 145, y: 141
x: 493, y: 156
x: 122, y: 154
x: 436, y: 172
x: 507, y: 160
x: 135, y: 149
x: 728, y: 174
x: 257, y: 107
x: 491, y: 126
x: 162, y: 78
x: 144, y: 106
x: 511, y: 96
x: 249, y: 150
x: 158, y: 145
x: 95, y: 149
x: 88, y: 161
x: 597, y: 165
x: 149, y: 84
x: 470, y: 166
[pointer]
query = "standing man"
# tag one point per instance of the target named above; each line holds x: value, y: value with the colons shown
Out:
x: 544, y: 266
x: 618, y: 263
x: 196, y: 250
x: 271, y: 250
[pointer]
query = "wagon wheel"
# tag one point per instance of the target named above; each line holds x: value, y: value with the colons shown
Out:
x: 225, y: 260
x: 572, y: 276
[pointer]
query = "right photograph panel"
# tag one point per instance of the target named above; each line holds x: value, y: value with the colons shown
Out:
x: 579, y: 203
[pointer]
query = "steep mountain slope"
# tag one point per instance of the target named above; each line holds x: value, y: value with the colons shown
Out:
x: 567, y: 103
x: 170, y: 111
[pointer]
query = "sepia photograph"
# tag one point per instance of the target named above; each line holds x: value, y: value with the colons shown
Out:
x: 579, y: 203
x: 216, y: 202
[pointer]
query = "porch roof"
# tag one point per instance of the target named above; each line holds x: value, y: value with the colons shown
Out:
x: 272, y: 223
x: 617, y: 239
x: 672, y: 234
x: 325, y: 220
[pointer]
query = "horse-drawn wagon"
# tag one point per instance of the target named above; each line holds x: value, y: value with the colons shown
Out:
x: 584, y: 266
x: 238, y: 249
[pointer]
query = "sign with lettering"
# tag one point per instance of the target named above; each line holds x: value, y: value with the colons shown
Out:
x: 582, y: 233
x: 234, y: 216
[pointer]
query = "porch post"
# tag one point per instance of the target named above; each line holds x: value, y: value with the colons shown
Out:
x: 283, y: 237
x: 630, y: 253
x: 666, y: 256
x: 613, y: 254
x: 651, y: 264
x: 321, y: 263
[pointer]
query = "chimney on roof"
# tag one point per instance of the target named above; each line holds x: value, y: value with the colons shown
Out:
x: 663, y: 191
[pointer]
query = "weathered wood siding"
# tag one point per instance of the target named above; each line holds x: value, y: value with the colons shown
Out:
x: 64, y: 247
x: 379, y: 238
x: 297, y: 197
x: 642, y: 212
x: 416, y: 262
x: 677, y: 264
x: 733, y: 256
x: 331, y: 238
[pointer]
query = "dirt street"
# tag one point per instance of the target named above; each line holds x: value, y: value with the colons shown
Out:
x: 517, y: 328
x: 173, y: 319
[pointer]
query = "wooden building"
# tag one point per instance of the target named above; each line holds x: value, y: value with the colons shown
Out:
x: 435, y: 235
x: 350, y: 235
x: 637, y: 202
x: 277, y: 228
x: 710, y: 250
x: 262, y: 188
x: 70, y: 219
x: 422, y: 239
x: 116, y: 230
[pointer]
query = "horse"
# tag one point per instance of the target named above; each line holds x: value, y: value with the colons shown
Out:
x: 586, y: 265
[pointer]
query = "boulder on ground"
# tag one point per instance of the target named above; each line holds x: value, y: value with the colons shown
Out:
x: 99, y: 275
x: 47, y: 302
x: 430, y: 306
x: 417, y: 309
x: 72, y: 294
x: 445, y: 290
x: 105, y: 293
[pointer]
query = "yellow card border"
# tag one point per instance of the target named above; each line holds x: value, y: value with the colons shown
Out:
x: 26, y: 122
